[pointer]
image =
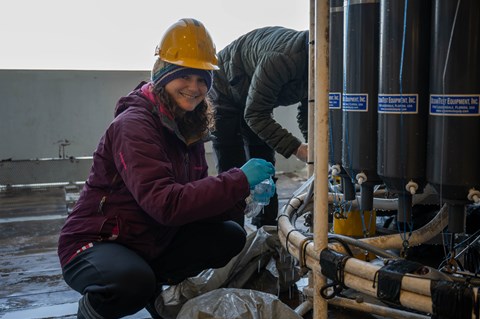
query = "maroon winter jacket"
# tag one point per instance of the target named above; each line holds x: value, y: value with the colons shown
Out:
x: 146, y: 182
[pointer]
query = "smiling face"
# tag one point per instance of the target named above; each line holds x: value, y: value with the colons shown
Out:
x: 187, y: 91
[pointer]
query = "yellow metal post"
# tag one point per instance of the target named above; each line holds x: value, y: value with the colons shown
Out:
x: 320, y: 231
x: 311, y: 91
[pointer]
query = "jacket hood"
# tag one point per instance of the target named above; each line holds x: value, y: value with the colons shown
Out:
x: 134, y: 99
x: 141, y: 97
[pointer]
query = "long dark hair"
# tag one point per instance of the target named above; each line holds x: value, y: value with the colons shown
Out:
x: 196, y: 123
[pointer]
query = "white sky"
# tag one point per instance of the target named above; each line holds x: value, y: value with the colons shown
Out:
x: 123, y: 34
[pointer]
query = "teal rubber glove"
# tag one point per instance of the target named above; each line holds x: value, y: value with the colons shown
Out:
x: 257, y: 170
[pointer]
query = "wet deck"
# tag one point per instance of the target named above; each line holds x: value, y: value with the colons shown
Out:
x: 31, y: 281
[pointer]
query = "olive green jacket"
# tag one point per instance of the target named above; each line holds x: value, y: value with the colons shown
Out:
x: 260, y: 71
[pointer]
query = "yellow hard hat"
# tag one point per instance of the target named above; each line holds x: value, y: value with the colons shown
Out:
x: 188, y: 43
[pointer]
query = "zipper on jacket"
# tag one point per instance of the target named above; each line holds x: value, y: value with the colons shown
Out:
x: 100, y: 206
x: 104, y: 198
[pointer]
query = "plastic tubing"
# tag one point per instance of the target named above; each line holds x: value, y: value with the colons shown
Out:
x: 363, y: 245
x: 378, y: 203
x: 374, y: 309
x: 304, y: 307
x: 360, y: 275
x: 395, y: 241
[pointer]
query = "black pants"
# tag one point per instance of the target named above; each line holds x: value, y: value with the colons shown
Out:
x: 233, y: 144
x: 117, y: 282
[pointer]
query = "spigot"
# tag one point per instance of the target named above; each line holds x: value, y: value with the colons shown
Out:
x: 336, y: 169
x: 361, y: 178
x: 411, y: 187
x: 474, y: 196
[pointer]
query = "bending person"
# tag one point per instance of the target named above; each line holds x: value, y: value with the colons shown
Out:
x: 260, y: 71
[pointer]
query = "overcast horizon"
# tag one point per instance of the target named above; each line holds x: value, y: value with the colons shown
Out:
x: 123, y: 34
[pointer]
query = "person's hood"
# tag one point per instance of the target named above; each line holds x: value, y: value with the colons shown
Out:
x: 136, y: 98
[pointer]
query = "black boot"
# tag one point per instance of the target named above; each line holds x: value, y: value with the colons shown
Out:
x: 80, y: 315
x: 152, y: 311
x: 85, y: 310
x: 150, y: 307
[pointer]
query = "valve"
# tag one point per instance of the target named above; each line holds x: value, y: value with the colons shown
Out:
x: 361, y: 178
x: 336, y: 169
x: 474, y: 196
x: 411, y: 187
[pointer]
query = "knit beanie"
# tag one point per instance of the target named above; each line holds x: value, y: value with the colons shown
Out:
x: 164, y: 72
